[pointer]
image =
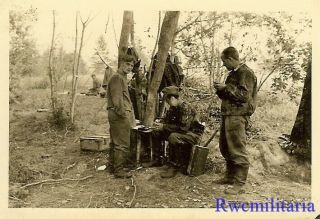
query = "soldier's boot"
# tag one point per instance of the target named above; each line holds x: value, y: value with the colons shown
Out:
x: 241, y: 174
x: 228, y: 177
x: 169, y: 173
x: 119, y: 159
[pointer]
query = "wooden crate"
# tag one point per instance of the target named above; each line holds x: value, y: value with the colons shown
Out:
x: 94, y: 143
x: 198, y: 160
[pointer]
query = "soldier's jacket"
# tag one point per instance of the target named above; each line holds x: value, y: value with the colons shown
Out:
x: 239, y: 96
x: 182, y: 119
x: 118, y: 98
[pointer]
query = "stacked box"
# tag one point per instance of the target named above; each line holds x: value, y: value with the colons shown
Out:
x: 94, y: 143
x: 198, y: 160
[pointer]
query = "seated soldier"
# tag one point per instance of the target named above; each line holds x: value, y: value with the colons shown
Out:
x: 181, y: 128
x: 96, y: 85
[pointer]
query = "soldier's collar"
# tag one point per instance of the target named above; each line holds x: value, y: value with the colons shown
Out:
x: 236, y: 69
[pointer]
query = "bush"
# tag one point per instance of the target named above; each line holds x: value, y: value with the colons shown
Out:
x: 59, y: 119
x: 41, y: 84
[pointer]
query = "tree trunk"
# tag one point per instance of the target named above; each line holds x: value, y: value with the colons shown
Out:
x: 132, y: 40
x: 73, y: 94
x: 218, y: 64
x: 301, y: 131
x: 263, y: 80
x: 125, y: 33
x: 76, y: 73
x: 168, y: 28
x: 52, y: 75
x: 154, y: 51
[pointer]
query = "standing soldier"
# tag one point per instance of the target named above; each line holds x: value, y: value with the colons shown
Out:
x: 96, y: 85
x: 121, y: 118
x: 238, y: 96
x: 181, y: 128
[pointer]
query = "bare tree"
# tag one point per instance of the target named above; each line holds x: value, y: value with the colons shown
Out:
x: 51, y: 68
x: 168, y: 29
x: 76, y: 64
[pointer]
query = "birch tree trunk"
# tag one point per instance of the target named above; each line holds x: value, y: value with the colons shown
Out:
x: 76, y: 72
x: 51, y: 68
x: 73, y: 94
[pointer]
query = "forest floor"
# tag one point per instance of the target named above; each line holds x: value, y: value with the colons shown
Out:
x: 38, y: 152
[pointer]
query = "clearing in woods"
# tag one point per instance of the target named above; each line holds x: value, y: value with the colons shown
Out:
x: 38, y: 153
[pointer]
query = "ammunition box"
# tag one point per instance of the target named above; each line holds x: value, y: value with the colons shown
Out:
x: 198, y: 160
x: 94, y: 143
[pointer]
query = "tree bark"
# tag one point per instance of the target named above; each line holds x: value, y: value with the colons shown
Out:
x: 75, y: 54
x: 76, y: 73
x: 154, y: 51
x: 125, y: 33
x: 132, y: 40
x: 73, y: 94
x: 168, y: 29
x: 52, y: 75
x: 301, y: 131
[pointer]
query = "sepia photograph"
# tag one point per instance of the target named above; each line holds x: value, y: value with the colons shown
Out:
x: 138, y: 108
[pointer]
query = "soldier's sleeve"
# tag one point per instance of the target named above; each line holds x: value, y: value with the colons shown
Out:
x: 242, y: 91
x: 116, y: 95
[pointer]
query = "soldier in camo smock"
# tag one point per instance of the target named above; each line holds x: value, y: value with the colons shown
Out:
x: 181, y: 128
x: 238, y: 96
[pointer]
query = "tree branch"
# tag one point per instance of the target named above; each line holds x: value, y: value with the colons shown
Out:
x: 188, y: 25
x: 98, y: 54
x: 54, y: 180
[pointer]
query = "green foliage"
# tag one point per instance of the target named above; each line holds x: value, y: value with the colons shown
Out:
x: 59, y: 119
x: 41, y: 84
x: 63, y: 62
x: 22, y: 53
x: 276, y: 44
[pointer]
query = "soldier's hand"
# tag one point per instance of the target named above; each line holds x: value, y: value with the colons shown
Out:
x: 157, y: 125
x: 219, y: 86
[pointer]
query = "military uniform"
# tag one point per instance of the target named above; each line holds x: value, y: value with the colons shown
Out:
x: 238, y: 104
x: 182, y: 130
x: 121, y: 120
x: 96, y: 85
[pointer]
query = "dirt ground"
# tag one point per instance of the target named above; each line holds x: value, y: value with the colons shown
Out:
x: 38, y: 152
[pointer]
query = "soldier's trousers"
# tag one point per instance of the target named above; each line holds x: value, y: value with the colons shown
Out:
x: 119, y: 140
x: 232, y: 145
x: 180, y: 145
